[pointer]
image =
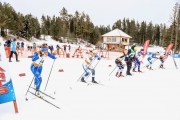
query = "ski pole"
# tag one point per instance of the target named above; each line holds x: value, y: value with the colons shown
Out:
x: 34, y: 76
x: 49, y: 74
x: 112, y: 71
x: 29, y: 86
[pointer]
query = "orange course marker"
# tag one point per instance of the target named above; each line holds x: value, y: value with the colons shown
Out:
x: 61, y: 70
x: 22, y: 74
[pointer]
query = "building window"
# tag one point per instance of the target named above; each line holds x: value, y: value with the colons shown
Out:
x: 124, y: 40
x: 109, y: 39
x: 113, y: 39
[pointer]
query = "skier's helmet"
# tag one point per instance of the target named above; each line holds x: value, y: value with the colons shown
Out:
x: 119, y: 59
x: 136, y: 48
x: 141, y: 49
x: 44, y: 47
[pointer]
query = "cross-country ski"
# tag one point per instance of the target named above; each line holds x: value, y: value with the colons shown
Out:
x: 42, y: 98
x: 50, y: 96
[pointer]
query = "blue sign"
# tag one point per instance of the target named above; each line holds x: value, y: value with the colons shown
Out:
x: 176, y: 55
x: 8, y: 94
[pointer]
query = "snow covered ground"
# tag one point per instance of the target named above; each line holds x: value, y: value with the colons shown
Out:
x: 152, y: 95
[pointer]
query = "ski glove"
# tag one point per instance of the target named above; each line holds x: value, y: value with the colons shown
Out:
x: 90, y: 58
x: 41, y: 54
x: 98, y: 58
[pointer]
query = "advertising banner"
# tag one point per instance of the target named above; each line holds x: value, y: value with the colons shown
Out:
x: 7, y: 93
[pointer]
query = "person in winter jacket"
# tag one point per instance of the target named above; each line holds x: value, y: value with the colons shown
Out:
x: 130, y: 58
x: 13, y: 50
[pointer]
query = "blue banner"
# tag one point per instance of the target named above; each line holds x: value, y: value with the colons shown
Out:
x: 176, y: 55
x: 8, y: 95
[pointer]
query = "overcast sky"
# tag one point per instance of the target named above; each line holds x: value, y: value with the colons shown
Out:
x: 101, y: 12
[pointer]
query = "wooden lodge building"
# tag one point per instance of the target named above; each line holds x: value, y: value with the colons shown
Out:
x: 116, y: 40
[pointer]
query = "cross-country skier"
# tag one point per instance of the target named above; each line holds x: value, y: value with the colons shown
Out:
x: 129, y: 59
x: 120, y: 65
x: 162, y: 59
x: 152, y: 56
x: 138, y: 60
x: 87, y: 66
x: 37, y: 62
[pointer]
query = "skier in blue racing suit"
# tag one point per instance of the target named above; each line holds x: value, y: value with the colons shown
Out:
x: 37, y: 62
x: 152, y: 56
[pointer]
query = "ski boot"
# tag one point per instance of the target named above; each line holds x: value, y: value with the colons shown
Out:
x: 117, y: 74
x: 134, y: 70
x: 82, y: 80
x: 150, y: 68
x: 161, y: 66
x: 37, y: 92
x: 93, y: 81
x: 120, y: 75
x: 128, y: 74
x: 147, y: 66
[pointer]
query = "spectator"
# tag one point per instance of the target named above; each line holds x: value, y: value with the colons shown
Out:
x: 18, y: 48
x: 22, y: 45
x: 13, y: 50
x: 69, y: 48
x: 57, y: 47
x: 51, y: 49
x: 8, y: 43
x: 65, y: 48
x: 34, y: 46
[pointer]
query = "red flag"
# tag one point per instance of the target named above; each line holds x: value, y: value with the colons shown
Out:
x: 169, y: 47
x: 1, y: 69
x: 146, y: 44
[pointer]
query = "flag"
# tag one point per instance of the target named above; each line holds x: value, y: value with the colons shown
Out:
x: 145, y: 47
x: 169, y: 47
